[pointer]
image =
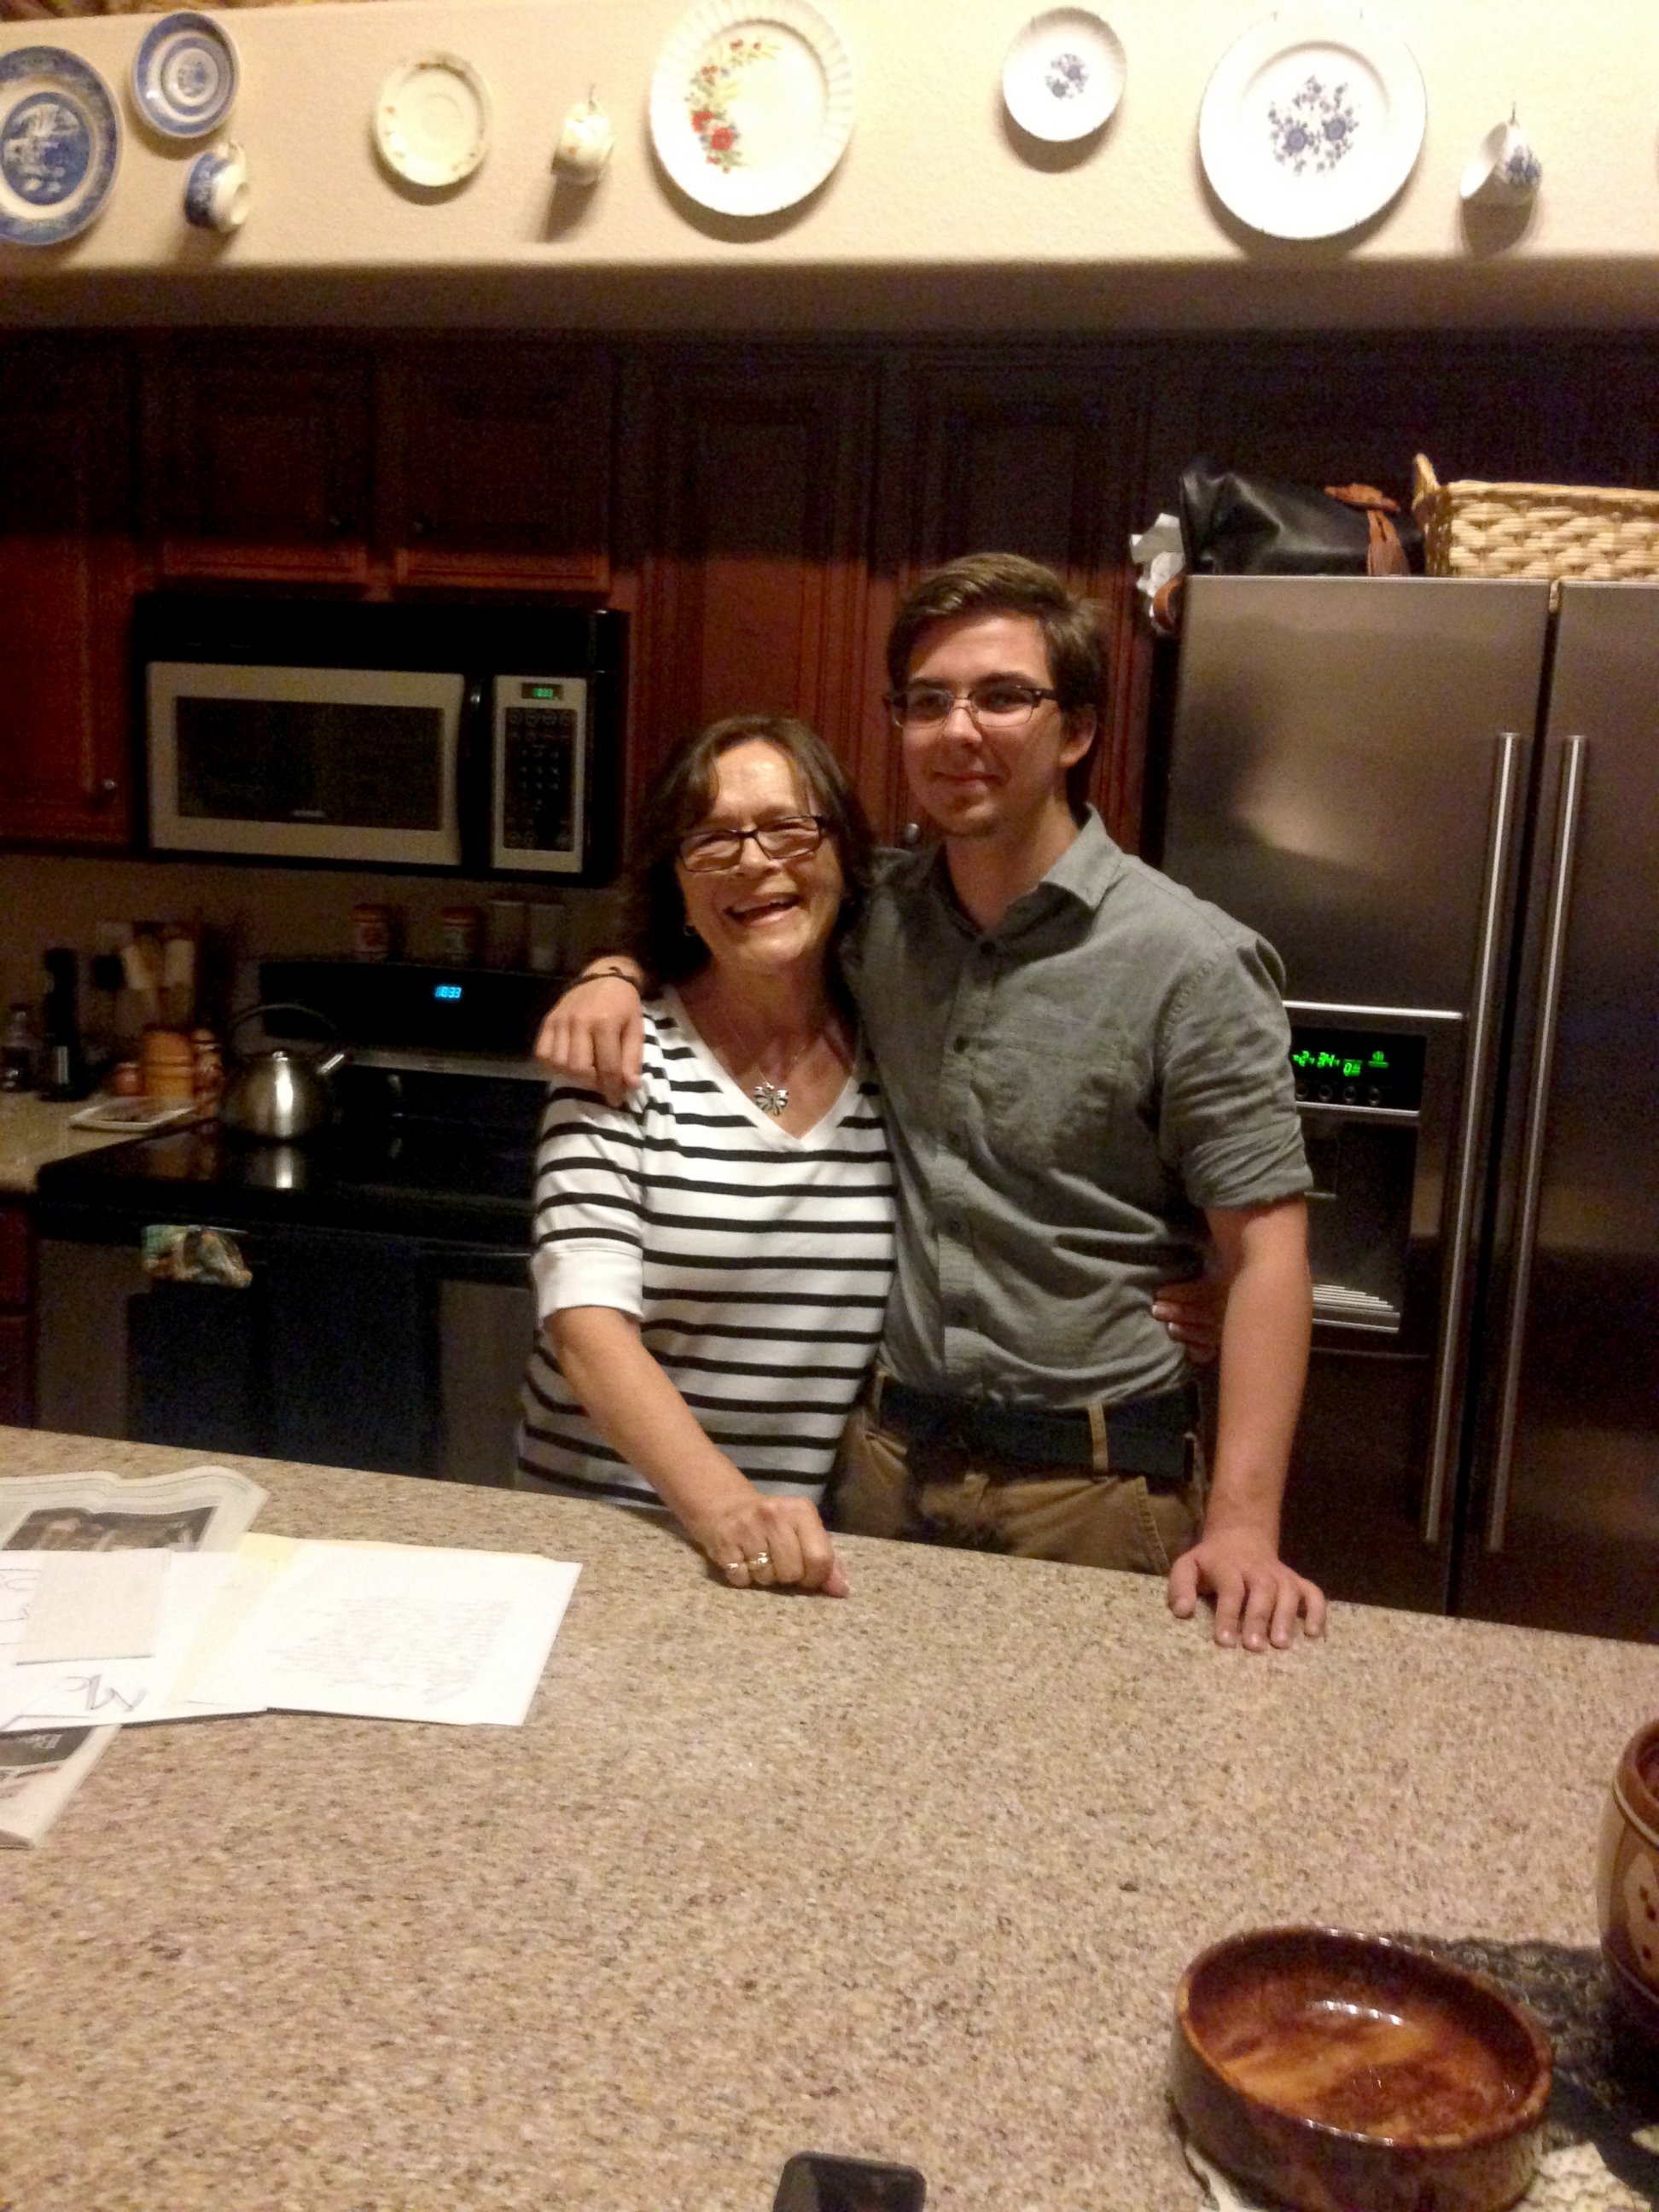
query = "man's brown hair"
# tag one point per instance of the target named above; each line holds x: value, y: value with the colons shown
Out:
x: 1009, y: 584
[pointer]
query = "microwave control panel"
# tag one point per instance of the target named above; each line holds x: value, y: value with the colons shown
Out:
x: 539, y: 751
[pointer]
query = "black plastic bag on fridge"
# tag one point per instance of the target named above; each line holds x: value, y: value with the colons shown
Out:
x: 1235, y: 524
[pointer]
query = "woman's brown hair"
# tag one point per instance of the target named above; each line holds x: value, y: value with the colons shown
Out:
x: 654, y: 912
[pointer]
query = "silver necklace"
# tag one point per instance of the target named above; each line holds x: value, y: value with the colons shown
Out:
x: 773, y: 1098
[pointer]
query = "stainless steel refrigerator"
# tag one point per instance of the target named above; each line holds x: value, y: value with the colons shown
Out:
x: 1439, y: 799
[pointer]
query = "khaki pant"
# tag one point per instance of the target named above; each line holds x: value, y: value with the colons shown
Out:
x: 941, y: 1494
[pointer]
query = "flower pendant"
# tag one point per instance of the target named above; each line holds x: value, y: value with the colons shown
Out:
x: 771, y: 1097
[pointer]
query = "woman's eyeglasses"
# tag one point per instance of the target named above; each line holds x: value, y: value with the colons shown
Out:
x: 997, y: 705
x: 789, y: 838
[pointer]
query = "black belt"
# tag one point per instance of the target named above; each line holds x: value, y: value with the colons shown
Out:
x: 1147, y: 1436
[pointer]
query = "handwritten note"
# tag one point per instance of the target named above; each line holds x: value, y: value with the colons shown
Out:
x: 93, y: 1605
x: 398, y: 1632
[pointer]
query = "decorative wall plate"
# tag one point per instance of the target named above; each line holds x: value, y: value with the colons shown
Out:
x: 60, y: 142
x: 751, y: 104
x: 185, y: 75
x: 1064, y: 74
x: 1313, y: 120
x: 432, y: 120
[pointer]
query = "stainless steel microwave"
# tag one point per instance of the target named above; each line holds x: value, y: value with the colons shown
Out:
x: 484, y: 739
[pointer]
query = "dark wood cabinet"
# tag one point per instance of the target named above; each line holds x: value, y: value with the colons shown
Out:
x: 66, y: 579
x: 257, y: 462
x: 16, y: 1379
x: 754, y: 586
x: 495, y: 466
x: 1037, y: 451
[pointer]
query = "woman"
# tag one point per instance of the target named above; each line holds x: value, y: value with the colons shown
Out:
x: 712, y: 1259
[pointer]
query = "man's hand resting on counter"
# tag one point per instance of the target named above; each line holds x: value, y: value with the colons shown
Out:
x: 594, y: 1034
x: 1258, y: 1599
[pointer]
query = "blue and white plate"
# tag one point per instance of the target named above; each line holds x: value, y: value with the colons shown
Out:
x: 1064, y: 74
x: 59, y: 145
x: 1313, y: 120
x: 184, y: 76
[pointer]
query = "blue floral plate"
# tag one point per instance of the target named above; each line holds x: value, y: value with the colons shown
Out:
x: 60, y: 140
x: 1064, y: 74
x: 1313, y: 121
x: 185, y: 75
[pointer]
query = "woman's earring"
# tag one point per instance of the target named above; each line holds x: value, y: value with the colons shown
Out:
x: 686, y: 930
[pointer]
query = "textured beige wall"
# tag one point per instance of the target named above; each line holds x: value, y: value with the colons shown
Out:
x: 934, y: 216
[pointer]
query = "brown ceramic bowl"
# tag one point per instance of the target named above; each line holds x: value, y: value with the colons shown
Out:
x: 1342, y: 2073
x: 1627, y: 1878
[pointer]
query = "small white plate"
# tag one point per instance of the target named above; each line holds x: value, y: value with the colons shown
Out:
x: 751, y: 104
x: 185, y: 75
x: 1064, y: 74
x: 432, y: 120
x: 1313, y: 121
x: 134, y: 1116
x: 60, y: 143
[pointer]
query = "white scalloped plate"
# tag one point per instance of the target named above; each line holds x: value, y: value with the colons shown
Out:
x: 1064, y: 74
x: 432, y: 120
x: 751, y: 104
x: 1313, y: 120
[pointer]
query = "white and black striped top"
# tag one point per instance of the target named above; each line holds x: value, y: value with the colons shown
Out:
x: 757, y: 1263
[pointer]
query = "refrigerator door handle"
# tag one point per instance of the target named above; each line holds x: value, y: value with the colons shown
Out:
x: 1482, y: 1032
x: 1538, y: 1098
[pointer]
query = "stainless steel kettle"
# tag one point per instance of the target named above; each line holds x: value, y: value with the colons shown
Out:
x: 279, y: 1095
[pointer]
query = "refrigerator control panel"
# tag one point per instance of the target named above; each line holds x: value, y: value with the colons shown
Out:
x: 1357, y: 1067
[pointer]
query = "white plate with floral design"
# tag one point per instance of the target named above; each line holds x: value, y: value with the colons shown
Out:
x: 432, y: 120
x: 1064, y: 74
x: 751, y: 104
x: 1313, y: 121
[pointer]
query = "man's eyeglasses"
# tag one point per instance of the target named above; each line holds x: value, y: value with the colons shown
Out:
x: 789, y: 838
x: 996, y: 706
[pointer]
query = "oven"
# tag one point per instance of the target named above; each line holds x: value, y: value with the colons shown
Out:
x: 365, y: 1300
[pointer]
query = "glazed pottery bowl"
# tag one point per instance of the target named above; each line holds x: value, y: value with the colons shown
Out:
x: 1343, y: 2073
x: 1627, y: 1878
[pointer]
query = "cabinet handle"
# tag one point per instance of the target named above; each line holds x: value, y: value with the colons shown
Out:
x: 420, y: 525
x: 104, y: 790
x: 1483, y: 1030
x: 336, y: 525
x: 1538, y: 1104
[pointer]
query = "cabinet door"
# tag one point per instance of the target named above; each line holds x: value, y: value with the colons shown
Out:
x: 257, y: 462
x: 497, y: 467
x: 1040, y: 452
x: 66, y: 577
x: 754, y: 586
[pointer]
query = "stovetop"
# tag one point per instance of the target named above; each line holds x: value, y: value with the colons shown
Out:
x: 416, y: 1182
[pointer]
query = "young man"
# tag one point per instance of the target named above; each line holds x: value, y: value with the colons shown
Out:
x: 1085, y: 1070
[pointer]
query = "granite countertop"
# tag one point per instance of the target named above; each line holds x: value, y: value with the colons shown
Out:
x: 35, y: 1130
x: 911, y: 1876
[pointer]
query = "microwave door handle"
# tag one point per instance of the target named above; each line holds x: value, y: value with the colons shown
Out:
x: 1483, y: 1028
x: 1538, y: 1100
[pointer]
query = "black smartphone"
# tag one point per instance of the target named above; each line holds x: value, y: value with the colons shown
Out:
x: 812, y: 2182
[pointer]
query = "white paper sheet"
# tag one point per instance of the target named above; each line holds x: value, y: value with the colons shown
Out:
x: 398, y: 1632
x: 64, y: 1693
x: 93, y: 1605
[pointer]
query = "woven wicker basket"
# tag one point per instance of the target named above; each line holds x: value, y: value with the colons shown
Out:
x: 1473, y: 529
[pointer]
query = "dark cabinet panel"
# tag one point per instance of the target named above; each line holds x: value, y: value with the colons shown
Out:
x: 754, y: 573
x: 66, y: 573
x: 1039, y: 451
x: 257, y: 462
x: 497, y: 465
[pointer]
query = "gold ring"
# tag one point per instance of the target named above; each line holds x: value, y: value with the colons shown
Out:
x: 759, y: 1559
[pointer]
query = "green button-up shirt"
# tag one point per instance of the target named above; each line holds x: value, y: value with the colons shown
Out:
x: 1066, y: 1092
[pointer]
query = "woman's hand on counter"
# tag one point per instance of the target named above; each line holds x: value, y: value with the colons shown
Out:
x: 766, y: 1543
x: 594, y: 1034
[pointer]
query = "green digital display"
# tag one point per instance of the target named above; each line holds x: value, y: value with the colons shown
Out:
x: 1357, y: 1067
x: 542, y: 690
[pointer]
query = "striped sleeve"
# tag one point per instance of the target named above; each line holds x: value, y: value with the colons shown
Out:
x: 587, y: 1236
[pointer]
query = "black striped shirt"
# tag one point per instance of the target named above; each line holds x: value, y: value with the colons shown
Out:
x: 757, y: 1263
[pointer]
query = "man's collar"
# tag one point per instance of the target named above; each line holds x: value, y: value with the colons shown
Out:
x: 1082, y: 876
